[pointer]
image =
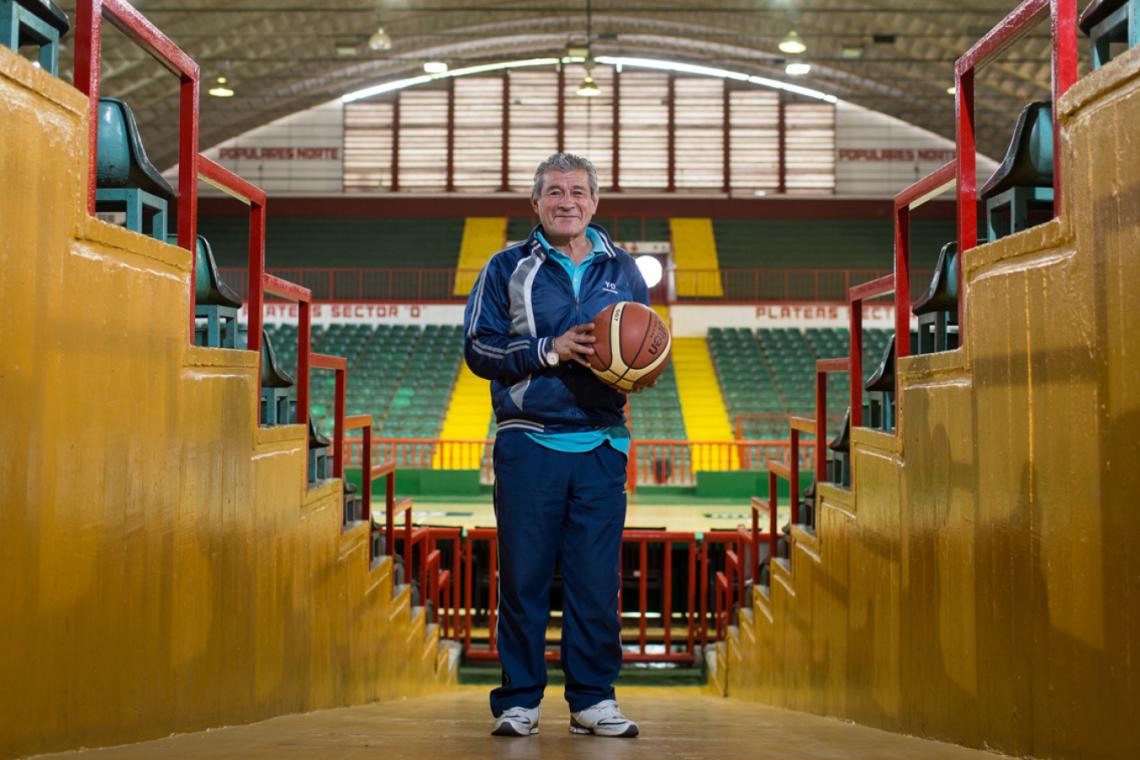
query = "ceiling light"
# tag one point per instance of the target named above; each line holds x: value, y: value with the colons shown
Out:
x: 797, y: 69
x: 851, y: 52
x: 435, y: 67
x: 380, y: 40
x: 951, y: 90
x: 588, y: 89
x: 792, y: 44
x: 578, y: 51
x: 220, y: 90
x: 346, y: 49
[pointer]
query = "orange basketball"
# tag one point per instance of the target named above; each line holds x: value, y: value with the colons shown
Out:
x: 632, y: 346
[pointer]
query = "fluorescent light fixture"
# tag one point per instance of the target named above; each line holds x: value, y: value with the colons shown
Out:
x: 851, y: 52
x: 797, y: 69
x: 951, y: 90
x: 380, y: 40
x: 588, y: 89
x: 651, y: 270
x: 220, y: 90
x: 792, y: 44
x: 618, y: 62
x: 685, y: 68
x: 435, y: 67
x: 346, y: 49
x: 577, y: 51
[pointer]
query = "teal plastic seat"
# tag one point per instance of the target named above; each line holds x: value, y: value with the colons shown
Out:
x: 880, y: 389
x: 839, y: 460
x: 318, y: 452
x: 124, y: 176
x: 1108, y: 21
x: 215, y: 302
x: 937, y: 308
x: 1022, y: 186
x: 34, y: 22
x: 277, y: 408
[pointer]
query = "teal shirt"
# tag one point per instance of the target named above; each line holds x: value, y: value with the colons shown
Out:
x: 587, y: 440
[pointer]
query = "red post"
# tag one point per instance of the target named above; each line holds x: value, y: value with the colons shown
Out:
x: 667, y: 596
x: 794, y: 466
x: 467, y: 601
x: 560, y: 112
x: 396, y: 145
x: 642, y: 588
x: 820, y: 426
x: 902, y: 280
x: 671, y: 101
x: 773, y: 519
x: 338, y: 426
x: 450, y: 184
x: 505, y: 167
x: 692, y: 592
x: 704, y: 594
x: 726, y: 140
x: 615, y: 121
x: 366, y: 478
x: 304, y: 345
x: 782, y: 145
x: 855, y: 372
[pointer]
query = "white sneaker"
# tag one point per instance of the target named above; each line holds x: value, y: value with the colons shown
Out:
x: 517, y: 721
x: 603, y: 719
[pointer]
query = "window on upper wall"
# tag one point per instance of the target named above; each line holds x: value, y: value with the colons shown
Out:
x: 644, y: 131
x: 478, y: 156
x: 754, y: 141
x: 533, y: 124
x: 368, y: 147
x: 423, y: 140
x: 698, y: 115
x: 589, y: 130
x: 809, y: 148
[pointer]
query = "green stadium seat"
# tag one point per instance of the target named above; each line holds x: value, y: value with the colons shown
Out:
x: 839, y: 458
x: 277, y: 408
x: 1021, y: 188
x: 39, y: 23
x: 880, y: 389
x: 937, y: 308
x: 1108, y: 21
x: 215, y: 302
x: 125, y: 179
x: 318, y: 452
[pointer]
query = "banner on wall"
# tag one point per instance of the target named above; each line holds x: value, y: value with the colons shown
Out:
x: 325, y: 314
x: 694, y: 321
x: 688, y: 321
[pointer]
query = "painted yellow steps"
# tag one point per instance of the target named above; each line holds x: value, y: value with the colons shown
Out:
x: 468, y: 416
x: 482, y: 238
x: 702, y: 405
x: 695, y: 259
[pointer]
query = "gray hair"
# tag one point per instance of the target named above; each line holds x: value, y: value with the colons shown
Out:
x: 564, y: 162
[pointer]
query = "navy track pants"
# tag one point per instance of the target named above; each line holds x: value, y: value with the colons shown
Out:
x: 552, y: 504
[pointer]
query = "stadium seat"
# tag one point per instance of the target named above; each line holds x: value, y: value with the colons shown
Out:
x: 937, y: 308
x: 807, y: 506
x: 353, y: 502
x: 881, y: 391
x: 1108, y: 21
x: 214, y: 300
x: 1022, y: 186
x: 318, y: 453
x: 839, y: 463
x: 34, y: 22
x: 124, y: 176
x: 276, y: 385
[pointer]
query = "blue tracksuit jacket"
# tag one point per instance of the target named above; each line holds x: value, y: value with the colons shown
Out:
x: 519, y: 305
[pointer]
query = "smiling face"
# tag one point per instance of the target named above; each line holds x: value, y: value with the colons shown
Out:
x: 565, y: 205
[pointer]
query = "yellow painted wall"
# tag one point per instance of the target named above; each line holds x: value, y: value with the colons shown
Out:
x: 702, y: 406
x: 482, y: 238
x: 695, y: 259
x: 163, y: 567
x: 982, y: 583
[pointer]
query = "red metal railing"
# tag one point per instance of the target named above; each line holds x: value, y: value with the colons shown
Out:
x: 662, y: 462
x: 860, y: 293
x: 354, y: 285
x: 89, y: 15
x: 1063, y: 16
x: 659, y: 643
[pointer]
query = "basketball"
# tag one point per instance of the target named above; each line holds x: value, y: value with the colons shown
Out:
x: 632, y: 346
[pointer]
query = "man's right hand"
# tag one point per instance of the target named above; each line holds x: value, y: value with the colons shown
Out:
x: 575, y: 344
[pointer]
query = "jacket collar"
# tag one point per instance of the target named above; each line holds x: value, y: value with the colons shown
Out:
x: 534, y: 245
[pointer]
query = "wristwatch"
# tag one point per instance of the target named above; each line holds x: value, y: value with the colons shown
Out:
x: 552, y: 358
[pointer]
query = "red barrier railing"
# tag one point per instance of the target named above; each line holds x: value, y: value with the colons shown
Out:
x: 1063, y: 18
x: 433, y: 285
x: 868, y: 290
x: 766, y: 426
x: 654, y: 643
x: 89, y: 15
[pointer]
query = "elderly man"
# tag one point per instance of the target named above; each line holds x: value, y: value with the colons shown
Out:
x: 560, y: 451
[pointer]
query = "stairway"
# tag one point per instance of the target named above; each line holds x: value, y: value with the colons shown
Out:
x: 482, y: 238
x: 695, y: 259
x: 702, y: 405
x: 468, y: 416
